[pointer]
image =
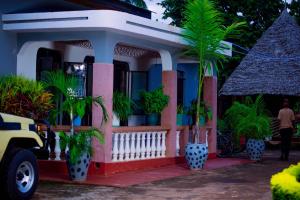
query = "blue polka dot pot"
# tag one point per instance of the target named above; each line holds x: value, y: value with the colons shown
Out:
x: 79, y: 170
x: 255, y: 149
x: 196, y: 155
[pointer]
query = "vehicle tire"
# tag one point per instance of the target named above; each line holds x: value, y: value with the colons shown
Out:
x: 21, y: 175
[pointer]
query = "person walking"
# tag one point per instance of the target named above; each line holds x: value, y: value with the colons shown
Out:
x: 286, y: 117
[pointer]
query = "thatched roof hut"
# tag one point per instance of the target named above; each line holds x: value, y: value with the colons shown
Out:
x: 272, y: 66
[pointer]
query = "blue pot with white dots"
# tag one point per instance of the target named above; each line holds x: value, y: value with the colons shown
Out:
x: 255, y: 149
x: 196, y: 155
x: 78, y: 171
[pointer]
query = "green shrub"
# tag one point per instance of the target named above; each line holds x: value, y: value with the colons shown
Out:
x: 154, y: 101
x: 23, y: 97
x: 249, y: 119
x: 285, y: 185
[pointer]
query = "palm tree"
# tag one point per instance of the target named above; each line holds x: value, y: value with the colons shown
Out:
x: 137, y: 3
x: 204, y: 32
x: 66, y: 86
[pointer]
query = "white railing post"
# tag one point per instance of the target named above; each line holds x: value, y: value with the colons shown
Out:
x: 115, y: 151
x: 143, y: 147
x: 132, y: 146
x: 121, y: 149
x: 163, y: 141
x: 177, y: 143
x: 153, y: 144
x: 57, y: 149
x: 148, y: 146
x: 159, y: 147
x: 138, y: 146
x: 127, y: 148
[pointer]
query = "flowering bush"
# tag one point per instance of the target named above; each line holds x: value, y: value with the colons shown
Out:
x: 285, y: 185
x: 23, y: 97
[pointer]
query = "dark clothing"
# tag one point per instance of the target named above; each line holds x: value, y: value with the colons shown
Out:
x: 286, y: 137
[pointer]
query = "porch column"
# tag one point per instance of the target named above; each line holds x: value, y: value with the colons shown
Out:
x: 103, y: 74
x: 210, y: 98
x: 103, y: 86
x: 169, y: 82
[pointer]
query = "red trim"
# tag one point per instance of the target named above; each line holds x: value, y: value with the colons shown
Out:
x: 52, y: 167
x: 212, y: 155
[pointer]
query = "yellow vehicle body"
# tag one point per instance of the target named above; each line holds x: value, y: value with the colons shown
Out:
x: 23, y: 132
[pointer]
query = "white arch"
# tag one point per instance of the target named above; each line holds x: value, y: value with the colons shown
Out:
x: 26, y: 58
x: 167, y: 60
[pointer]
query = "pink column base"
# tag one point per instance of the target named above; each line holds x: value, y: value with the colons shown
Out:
x: 103, y: 74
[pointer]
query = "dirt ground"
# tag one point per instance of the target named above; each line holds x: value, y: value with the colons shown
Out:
x: 245, y: 182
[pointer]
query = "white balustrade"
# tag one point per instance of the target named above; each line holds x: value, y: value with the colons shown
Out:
x: 57, y: 149
x: 143, y: 147
x: 132, y: 147
x: 138, y: 145
x: 121, y: 149
x: 127, y: 147
x: 115, y: 147
x: 177, y: 143
x: 163, y: 143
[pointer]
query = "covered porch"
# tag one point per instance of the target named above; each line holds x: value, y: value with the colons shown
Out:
x: 127, y: 41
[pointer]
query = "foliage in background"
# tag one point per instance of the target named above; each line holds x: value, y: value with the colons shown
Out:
x: 204, y: 111
x: 296, y: 107
x: 285, y: 185
x: 137, y: 3
x: 154, y: 101
x: 203, y: 30
x: 23, y: 97
x: 258, y: 15
x: 122, y: 105
x: 249, y: 119
x: 80, y: 142
x: 180, y: 109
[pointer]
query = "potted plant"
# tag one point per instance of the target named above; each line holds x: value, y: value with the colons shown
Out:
x: 122, y: 107
x: 180, y: 115
x: 81, y: 151
x: 203, y: 30
x: 78, y: 143
x: 153, y: 103
x: 250, y: 119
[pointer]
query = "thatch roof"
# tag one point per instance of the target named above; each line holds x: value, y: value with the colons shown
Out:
x: 272, y: 66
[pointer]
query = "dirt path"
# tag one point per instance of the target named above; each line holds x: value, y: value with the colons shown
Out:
x: 246, y: 182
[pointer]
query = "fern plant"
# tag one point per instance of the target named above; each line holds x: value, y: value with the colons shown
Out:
x: 249, y: 119
x: 122, y: 105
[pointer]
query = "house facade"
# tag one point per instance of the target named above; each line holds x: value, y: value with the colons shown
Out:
x: 109, y: 47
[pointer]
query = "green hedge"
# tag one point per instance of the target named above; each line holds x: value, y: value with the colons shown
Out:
x: 285, y: 185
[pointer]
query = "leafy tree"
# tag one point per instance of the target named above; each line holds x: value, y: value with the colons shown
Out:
x: 137, y: 3
x: 203, y: 31
x: 259, y: 15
